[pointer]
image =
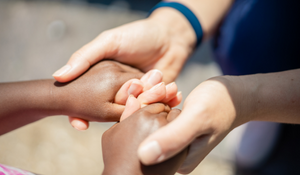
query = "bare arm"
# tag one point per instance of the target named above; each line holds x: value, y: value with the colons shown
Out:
x: 220, y: 104
x: 275, y: 96
x: 25, y: 102
x: 89, y: 97
x: 163, y: 41
x: 209, y: 13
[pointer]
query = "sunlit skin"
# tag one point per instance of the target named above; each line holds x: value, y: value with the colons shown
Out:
x: 164, y: 41
x: 91, y: 97
x: 145, y: 91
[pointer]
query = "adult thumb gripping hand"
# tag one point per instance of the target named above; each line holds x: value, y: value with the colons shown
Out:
x: 208, y: 115
x: 167, y: 141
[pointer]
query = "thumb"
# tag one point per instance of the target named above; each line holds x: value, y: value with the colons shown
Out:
x: 168, y: 140
x: 98, y: 49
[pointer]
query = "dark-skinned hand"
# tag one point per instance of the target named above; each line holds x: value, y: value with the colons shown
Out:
x: 92, y: 96
x: 121, y: 141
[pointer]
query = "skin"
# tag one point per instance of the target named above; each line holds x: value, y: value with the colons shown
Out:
x: 120, y: 142
x: 148, y: 89
x: 222, y: 104
x: 164, y: 41
x: 90, y: 97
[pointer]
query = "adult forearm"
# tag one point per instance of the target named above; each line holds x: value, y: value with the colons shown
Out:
x: 209, y: 13
x: 26, y: 102
x: 274, y: 96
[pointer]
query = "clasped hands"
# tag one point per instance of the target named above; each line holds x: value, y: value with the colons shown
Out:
x: 112, y: 85
x: 135, y: 93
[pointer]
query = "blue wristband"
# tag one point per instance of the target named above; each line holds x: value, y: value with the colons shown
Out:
x: 190, y: 16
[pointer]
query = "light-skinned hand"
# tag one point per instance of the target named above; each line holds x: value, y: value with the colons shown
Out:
x: 208, y: 115
x: 152, y: 43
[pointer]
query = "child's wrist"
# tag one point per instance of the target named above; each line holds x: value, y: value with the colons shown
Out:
x: 59, y: 97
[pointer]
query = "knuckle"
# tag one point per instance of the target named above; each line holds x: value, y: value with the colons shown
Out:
x: 108, y: 35
x: 144, y: 114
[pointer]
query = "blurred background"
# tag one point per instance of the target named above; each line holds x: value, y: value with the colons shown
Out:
x: 36, y: 39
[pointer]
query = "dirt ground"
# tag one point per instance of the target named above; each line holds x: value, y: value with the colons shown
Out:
x: 37, y: 38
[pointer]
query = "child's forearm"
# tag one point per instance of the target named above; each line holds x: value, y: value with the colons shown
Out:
x: 26, y: 102
x: 90, y: 97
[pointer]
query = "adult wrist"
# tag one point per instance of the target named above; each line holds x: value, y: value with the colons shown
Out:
x: 241, y: 94
x: 176, y: 24
x: 246, y: 92
x: 187, y: 13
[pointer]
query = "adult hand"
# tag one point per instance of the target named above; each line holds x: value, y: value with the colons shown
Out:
x: 209, y: 114
x: 163, y: 41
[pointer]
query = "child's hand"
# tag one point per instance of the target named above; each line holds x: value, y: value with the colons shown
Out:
x: 120, y: 142
x: 91, y: 96
x: 148, y: 89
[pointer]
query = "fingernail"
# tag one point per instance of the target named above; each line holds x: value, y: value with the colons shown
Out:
x: 156, y: 86
x: 79, y: 126
x: 62, y: 71
x: 135, y: 88
x: 150, y: 153
x: 179, y: 93
x: 170, y: 85
x: 155, y: 77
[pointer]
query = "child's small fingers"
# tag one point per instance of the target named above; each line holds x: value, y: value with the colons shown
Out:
x: 131, y: 106
x: 171, y: 92
x: 155, y: 94
x: 152, y: 78
x: 133, y: 86
x: 78, y: 123
x: 136, y: 88
x: 176, y: 100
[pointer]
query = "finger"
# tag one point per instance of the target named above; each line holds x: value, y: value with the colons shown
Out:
x: 171, y: 92
x: 176, y: 100
x: 157, y: 108
x: 173, y: 114
x: 151, y: 78
x: 133, y: 86
x: 78, y: 123
x: 113, y: 112
x: 102, y: 47
x: 155, y: 94
x: 168, y: 140
x: 132, y: 105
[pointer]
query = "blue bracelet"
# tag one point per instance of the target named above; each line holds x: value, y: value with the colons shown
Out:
x: 191, y: 17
